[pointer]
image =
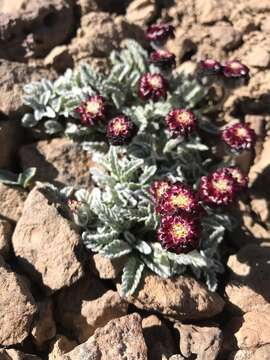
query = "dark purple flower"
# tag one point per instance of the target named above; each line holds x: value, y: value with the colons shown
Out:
x: 239, y: 136
x: 218, y: 188
x: 181, y: 122
x: 209, y: 66
x: 162, y: 58
x: 235, y: 69
x: 160, y: 32
x: 158, y: 188
x: 121, y: 130
x: 178, y: 197
x: 179, y: 233
x: 92, y: 110
x: 152, y: 86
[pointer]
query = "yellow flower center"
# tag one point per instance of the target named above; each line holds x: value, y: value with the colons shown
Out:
x: 221, y: 185
x: 93, y: 107
x: 119, y: 126
x: 241, y: 132
x: 161, y: 189
x: 235, y: 65
x: 180, y: 201
x: 183, y: 118
x: 155, y: 82
x: 179, y: 231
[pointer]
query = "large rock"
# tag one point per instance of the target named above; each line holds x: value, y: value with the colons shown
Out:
x: 158, y: 338
x: 60, y: 346
x: 11, y: 202
x: 120, y: 339
x: 87, y: 307
x: 6, y: 230
x: 59, y: 161
x: 13, y: 77
x: 262, y: 353
x: 17, y: 307
x: 141, y: 12
x: 100, y: 33
x: 45, y: 328
x: 12, y: 354
x: 180, y: 298
x: 204, y: 342
x: 10, y: 139
x: 209, y: 11
x: 248, y: 288
x: 46, y: 246
x: 106, y: 268
x: 31, y: 28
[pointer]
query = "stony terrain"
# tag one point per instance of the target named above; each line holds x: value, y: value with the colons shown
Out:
x: 57, y: 301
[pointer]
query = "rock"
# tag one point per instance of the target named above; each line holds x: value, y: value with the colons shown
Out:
x: 141, y: 12
x: 180, y: 298
x: 45, y: 328
x: 13, y: 77
x: 87, y: 307
x: 6, y: 230
x: 120, y: 339
x: 46, y: 246
x: 158, y: 338
x: 248, y: 288
x: 106, y: 268
x: 225, y: 36
x: 31, y: 28
x: 59, y: 161
x: 262, y: 353
x: 100, y: 33
x: 59, y: 58
x: 11, y: 202
x: 261, y: 209
x: 210, y: 11
x: 254, y: 331
x: 258, y: 56
x: 12, y: 354
x: 10, y: 139
x: 257, y: 123
x: 17, y: 307
x: 204, y: 342
x: 61, y: 346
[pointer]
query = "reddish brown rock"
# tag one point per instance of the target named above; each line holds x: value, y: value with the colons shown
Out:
x: 45, y: 328
x: 87, y: 307
x: 262, y: 353
x: 10, y: 140
x: 17, y: 307
x: 11, y: 202
x: 180, y: 298
x: 204, y: 342
x: 224, y: 35
x: 59, y: 161
x: 6, y: 230
x: 32, y: 28
x: 107, y: 268
x: 158, y: 338
x: 12, y: 354
x: 46, y: 246
x: 141, y: 12
x: 59, y: 58
x: 60, y: 346
x: 248, y: 290
x: 120, y: 339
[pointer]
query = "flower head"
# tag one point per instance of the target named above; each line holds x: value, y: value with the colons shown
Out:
x: 235, y: 69
x: 178, y: 197
x: 210, y: 66
x: 179, y: 233
x: 240, y: 178
x: 152, y: 86
x: 162, y: 58
x: 239, y: 136
x: 92, y: 110
x: 218, y: 188
x: 160, y: 32
x: 181, y: 122
x: 121, y: 130
x: 158, y: 188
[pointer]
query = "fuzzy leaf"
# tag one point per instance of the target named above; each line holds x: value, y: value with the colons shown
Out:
x: 132, y: 274
x: 116, y: 249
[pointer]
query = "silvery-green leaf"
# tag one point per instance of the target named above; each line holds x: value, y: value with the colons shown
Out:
x: 116, y: 249
x: 28, y: 120
x: 143, y: 247
x: 25, y: 178
x: 132, y: 274
x: 7, y: 177
x: 53, y: 127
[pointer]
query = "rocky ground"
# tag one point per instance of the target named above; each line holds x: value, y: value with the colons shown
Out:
x: 57, y: 301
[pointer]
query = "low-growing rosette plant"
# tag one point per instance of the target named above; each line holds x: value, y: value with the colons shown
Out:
x: 160, y: 196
